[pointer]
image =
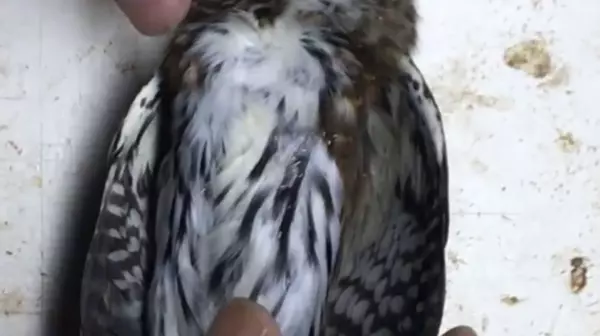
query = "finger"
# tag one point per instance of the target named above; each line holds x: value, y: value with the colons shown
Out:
x: 154, y: 17
x: 244, y: 318
x: 460, y: 331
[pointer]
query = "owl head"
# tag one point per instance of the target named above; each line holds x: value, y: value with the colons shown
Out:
x: 368, y: 22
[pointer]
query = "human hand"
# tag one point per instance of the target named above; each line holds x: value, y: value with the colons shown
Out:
x: 154, y: 17
x: 245, y: 318
x: 460, y: 331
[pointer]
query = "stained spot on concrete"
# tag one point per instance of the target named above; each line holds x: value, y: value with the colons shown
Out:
x: 456, y: 89
x: 3, y: 71
x: 485, y: 322
x: 3, y: 128
x: 578, y: 274
x: 85, y: 54
x: 477, y: 99
x: 469, y: 99
x: 479, y: 166
x: 567, y: 142
x: 125, y: 67
x: 510, y: 300
x: 15, y: 147
x: 11, y: 302
x: 559, y: 77
x: 455, y: 260
x: 37, y: 181
x: 530, y: 56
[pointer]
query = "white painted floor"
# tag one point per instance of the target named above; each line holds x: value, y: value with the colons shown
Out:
x: 523, y: 155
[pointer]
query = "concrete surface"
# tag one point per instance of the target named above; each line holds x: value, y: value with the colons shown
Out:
x: 517, y: 82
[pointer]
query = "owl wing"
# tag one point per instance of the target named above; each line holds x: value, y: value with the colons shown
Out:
x: 115, y: 275
x: 391, y: 271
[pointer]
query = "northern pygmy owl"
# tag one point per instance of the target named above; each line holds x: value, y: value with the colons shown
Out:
x: 286, y: 151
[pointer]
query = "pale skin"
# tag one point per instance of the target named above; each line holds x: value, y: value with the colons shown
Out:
x: 240, y: 317
x: 246, y: 318
x: 154, y: 17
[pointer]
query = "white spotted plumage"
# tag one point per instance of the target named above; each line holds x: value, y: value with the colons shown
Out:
x: 249, y: 182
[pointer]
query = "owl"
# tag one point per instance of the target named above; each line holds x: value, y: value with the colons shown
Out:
x: 285, y: 151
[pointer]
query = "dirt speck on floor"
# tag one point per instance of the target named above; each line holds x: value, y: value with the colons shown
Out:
x: 578, y: 274
x: 530, y: 56
x: 510, y: 300
x: 473, y: 99
x: 455, y: 260
x: 479, y: 166
x: 15, y: 147
x: 11, y: 302
x: 37, y: 181
x: 557, y: 78
x: 485, y: 322
x: 457, y: 90
x: 3, y: 71
x: 85, y: 54
x: 567, y: 142
x: 124, y: 68
x: 470, y: 99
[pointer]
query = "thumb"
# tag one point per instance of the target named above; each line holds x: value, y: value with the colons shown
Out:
x: 460, y: 331
x: 154, y: 17
x: 243, y: 317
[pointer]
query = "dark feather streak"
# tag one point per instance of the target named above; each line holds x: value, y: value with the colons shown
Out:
x: 323, y: 189
x: 311, y: 237
x: 286, y: 200
x: 267, y: 154
x: 279, y: 303
x: 134, y: 147
x: 185, y: 210
x: 222, y: 194
x: 203, y: 160
x: 248, y: 219
x: 235, y: 250
x: 258, y: 286
x: 187, y: 310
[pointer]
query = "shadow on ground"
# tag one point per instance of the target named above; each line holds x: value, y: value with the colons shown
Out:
x: 63, y: 289
x: 106, y: 107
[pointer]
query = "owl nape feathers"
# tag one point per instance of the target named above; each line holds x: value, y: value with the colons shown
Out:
x: 285, y: 151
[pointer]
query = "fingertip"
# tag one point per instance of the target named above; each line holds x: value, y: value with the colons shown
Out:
x: 460, y: 331
x: 154, y: 17
x: 242, y: 317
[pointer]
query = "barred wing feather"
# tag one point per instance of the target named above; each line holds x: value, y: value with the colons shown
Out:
x: 116, y: 270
